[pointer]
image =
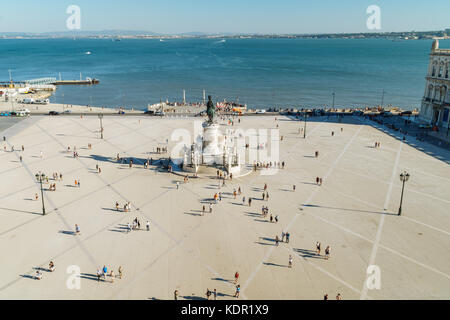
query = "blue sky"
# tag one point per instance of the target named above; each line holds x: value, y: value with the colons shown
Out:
x: 241, y: 16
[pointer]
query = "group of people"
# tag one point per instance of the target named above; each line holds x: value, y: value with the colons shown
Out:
x: 318, y: 181
x: 57, y: 176
x: 161, y: 150
x: 103, y: 273
x: 377, y: 144
x: 38, y: 275
x: 338, y: 296
x: 268, y: 165
x: 239, y: 192
x: 327, y: 250
x: 126, y: 206
x: 136, y: 225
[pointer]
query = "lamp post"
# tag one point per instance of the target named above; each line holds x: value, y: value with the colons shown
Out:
x: 40, y: 178
x: 404, y: 176
x: 100, y: 116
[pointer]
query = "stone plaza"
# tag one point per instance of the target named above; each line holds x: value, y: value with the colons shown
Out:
x: 354, y: 211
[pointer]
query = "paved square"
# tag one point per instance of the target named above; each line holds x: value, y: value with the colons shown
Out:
x: 354, y: 211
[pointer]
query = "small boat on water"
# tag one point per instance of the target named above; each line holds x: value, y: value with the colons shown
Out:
x: 88, y: 52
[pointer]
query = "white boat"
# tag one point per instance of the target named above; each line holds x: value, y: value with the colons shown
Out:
x: 88, y: 52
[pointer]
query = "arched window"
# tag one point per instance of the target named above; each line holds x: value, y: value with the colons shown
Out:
x: 440, y: 72
x: 435, y: 93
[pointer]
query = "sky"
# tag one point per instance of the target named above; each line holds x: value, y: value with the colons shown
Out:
x: 233, y: 16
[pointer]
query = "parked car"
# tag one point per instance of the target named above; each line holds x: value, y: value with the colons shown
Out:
x: 53, y: 113
x: 425, y: 126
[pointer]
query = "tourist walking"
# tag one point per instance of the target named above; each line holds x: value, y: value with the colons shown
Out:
x: 148, y: 225
x: 210, y: 207
x: 287, y: 237
x: 77, y: 230
x: 99, y: 274
x: 175, y: 295
x: 318, y: 248
x: 236, y: 277
x: 327, y: 252
x: 120, y: 272
x: 215, y: 294
x: 338, y: 297
x: 290, y: 261
x: 276, y: 240
x: 238, y: 289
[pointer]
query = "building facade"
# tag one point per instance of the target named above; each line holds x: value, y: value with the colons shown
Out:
x: 435, y: 108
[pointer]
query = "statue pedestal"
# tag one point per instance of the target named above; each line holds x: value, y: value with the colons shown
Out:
x: 213, y: 143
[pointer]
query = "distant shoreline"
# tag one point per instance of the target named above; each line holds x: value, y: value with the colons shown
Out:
x: 119, y: 35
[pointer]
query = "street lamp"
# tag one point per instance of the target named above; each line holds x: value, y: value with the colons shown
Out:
x: 404, y: 176
x: 40, y: 178
x: 100, y: 116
